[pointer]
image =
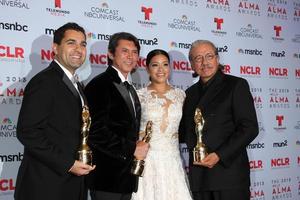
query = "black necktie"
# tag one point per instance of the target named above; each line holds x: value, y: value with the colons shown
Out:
x: 128, y: 86
x: 80, y: 89
x: 133, y: 94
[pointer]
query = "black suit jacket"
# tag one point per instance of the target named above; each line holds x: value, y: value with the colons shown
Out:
x: 230, y: 125
x: 49, y: 128
x: 113, y: 133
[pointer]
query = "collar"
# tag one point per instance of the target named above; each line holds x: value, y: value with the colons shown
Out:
x: 129, y: 79
x: 208, y: 83
x: 67, y: 72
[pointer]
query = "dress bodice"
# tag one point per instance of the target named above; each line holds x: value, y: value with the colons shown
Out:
x: 164, y: 176
x: 165, y: 111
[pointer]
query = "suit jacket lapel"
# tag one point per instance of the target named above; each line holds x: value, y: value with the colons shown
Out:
x: 70, y: 85
x: 124, y: 93
x: 212, y: 91
x: 65, y: 79
x: 137, y: 106
x: 122, y: 89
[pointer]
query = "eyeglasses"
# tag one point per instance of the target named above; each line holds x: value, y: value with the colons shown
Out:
x: 207, y: 57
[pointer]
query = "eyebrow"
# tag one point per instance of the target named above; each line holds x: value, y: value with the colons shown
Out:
x: 73, y: 40
x: 126, y: 48
x: 70, y: 40
x: 165, y: 61
x: 205, y: 54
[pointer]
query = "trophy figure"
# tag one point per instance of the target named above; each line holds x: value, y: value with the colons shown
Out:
x: 84, y: 152
x: 200, y: 150
x: 138, y: 165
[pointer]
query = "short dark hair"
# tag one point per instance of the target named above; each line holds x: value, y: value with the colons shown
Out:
x: 60, y: 32
x: 156, y: 52
x: 114, y: 40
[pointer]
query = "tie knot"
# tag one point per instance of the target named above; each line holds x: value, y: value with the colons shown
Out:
x: 75, y: 78
x: 127, y: 84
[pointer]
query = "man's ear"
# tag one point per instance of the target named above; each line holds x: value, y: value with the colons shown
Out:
x: 54, y: 48
x: 110, y: 55
x: 192, y: 66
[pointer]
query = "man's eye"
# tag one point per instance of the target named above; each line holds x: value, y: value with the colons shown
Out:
x: 198, y: 58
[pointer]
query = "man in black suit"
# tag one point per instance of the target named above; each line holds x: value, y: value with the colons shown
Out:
x: 115, y: 111
x: 230, y: 125
x: 49, y: 125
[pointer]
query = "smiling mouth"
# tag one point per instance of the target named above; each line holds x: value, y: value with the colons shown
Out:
x: 76, y: 57
x: 129, y: 63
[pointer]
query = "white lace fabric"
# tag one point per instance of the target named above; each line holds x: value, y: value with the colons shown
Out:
x: 164, y: 177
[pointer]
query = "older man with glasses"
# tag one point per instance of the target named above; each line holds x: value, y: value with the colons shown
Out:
x: 230, y: 125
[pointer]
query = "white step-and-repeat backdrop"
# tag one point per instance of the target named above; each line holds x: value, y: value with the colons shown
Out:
x: 257, y: 40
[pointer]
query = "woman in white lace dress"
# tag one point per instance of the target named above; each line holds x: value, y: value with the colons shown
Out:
x: 164, y: 176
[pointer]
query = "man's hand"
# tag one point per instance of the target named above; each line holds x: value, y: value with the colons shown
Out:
x: 141, y: 150
x: 209, y: 161
x: 80, y: 168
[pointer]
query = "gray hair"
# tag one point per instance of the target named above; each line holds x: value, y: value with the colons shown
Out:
x: 200, y: 42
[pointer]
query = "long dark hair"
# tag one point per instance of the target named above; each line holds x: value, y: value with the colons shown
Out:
x: 156, y: 52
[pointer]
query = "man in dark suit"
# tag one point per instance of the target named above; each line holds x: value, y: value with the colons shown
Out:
x: 49, y: 125
x: 230, y: 125
x: 115, y: 111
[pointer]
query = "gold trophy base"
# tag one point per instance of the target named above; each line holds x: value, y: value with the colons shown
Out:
x: 85, y: 156
x: 138, y: 167
x: 199, y: 154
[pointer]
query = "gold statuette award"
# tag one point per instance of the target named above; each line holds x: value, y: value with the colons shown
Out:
x: 84, y: 152
x: 200, y: 150
x: 138, y: 165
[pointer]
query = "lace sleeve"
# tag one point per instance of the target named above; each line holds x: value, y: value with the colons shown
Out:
x: 180, y: 94
x: 142, y: 95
